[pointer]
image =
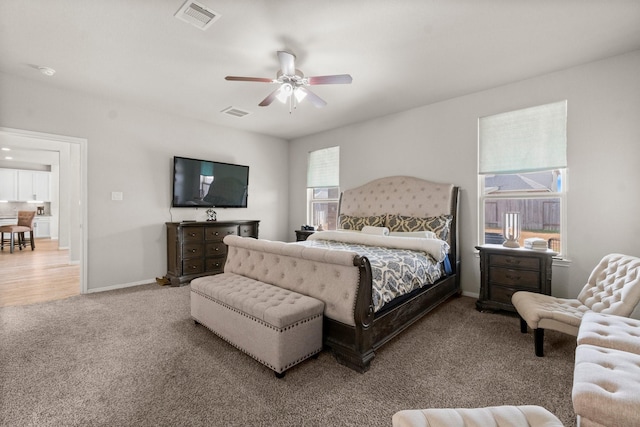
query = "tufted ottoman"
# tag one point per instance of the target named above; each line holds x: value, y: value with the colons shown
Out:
x: 606, y: 379
x: 503, y: 416
x: 277, y: 327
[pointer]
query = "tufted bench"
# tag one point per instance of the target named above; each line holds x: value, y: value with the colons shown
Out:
x: 277, y: 327
x: 511, y: 416
x: 606, y: 379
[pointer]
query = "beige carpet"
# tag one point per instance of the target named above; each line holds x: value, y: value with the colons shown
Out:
x: 133, y: 357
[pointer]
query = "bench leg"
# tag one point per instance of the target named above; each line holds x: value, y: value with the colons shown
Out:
x: 523, y: 326
x: 538, y: 337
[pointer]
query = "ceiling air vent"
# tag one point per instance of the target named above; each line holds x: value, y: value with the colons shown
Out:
x: 197, y: 14
x: 235, y: 112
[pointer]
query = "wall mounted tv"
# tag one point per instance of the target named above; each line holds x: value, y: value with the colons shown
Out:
x: 201, y: 183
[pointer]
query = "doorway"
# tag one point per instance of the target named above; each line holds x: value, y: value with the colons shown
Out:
x: 71, y: 214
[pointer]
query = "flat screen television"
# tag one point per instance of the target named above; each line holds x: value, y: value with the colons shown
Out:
x: 202, y: 183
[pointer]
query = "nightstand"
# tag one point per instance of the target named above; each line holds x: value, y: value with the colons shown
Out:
x: 301, y: 235
x: 505, y: 271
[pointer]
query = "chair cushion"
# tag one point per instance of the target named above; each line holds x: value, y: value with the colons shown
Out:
x: 502, y: 416
x: 610, y: 331
x: 14, y: 229
x: 534, y: 307
x: 606, y: 386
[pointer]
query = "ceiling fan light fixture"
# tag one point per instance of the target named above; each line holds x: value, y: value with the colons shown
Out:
x: 299, y: 94
x: 285, y: 92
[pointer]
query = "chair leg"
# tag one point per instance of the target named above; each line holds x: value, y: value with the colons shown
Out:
x: 523, y: 326
x: 11, y: 242
x: 538, y: 337
x: 33, y: 243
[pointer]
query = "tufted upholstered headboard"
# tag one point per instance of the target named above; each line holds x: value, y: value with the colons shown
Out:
x: 403, y: 195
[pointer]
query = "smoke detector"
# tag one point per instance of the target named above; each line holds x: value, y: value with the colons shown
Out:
x: 197, y: 14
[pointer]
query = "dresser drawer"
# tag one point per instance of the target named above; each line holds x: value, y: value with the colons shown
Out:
x: 215, y: 265
x: 248, y: 231
x: 518, y: 278
x: 218, y: 233
x: 191, y: 234
x: 192, y: 250
x: 216, y: 249
x: 192, y: 266
x: 514, y: 261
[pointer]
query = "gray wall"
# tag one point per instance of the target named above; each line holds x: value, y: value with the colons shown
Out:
x: 439, y: 142
x: 130, y: 150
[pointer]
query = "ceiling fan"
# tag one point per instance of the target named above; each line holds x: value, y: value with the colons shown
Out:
x: 293, y: 84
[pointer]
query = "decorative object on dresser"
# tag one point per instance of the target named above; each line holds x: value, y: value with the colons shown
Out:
x: 613, y: 287
x: 505, y: 271
x: 195, y: 249
x: 511, y: 230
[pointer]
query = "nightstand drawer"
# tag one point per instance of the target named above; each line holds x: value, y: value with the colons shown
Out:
x: 501, y: 294
x: 518, y: 278
x: 514, y: 261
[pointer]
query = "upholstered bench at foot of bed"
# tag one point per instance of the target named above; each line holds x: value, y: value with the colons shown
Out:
x: 277, y: 327
x: 512, y: 416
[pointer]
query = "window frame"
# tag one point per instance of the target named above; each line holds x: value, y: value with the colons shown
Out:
x: 524, y: 195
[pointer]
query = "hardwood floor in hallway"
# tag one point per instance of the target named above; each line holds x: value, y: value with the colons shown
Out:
x: 28, y: 277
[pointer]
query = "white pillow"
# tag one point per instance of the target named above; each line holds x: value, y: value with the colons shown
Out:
x: 423, y: 234
x: 378, y: 231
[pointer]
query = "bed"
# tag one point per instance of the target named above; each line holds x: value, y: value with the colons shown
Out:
x: 405, y: 206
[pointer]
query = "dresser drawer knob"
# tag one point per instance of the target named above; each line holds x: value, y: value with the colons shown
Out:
x: 513, y: 261
x: 511, y: 277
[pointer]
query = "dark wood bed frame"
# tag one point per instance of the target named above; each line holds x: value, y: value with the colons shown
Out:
x: 355, y: 346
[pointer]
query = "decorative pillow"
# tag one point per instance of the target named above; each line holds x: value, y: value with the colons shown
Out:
x: 420, y: 234
x: 438, y: 224
x: 348, y: 222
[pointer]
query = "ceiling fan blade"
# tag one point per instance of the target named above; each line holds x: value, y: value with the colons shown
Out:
x: 312, y: 97
x: 327, y: 80
x: 249, y: 79
x: 287, y: 63
x: 269, y: 99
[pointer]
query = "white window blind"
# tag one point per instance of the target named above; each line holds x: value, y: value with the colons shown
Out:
x: 526, y: 140
x: 324, y: 168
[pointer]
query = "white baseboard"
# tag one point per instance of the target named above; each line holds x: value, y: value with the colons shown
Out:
x: 122, y: 285
x: 470, y: 294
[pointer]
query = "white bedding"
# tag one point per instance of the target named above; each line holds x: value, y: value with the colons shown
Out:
x: 437, y: 248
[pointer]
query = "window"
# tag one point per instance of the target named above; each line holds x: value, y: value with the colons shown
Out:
x: 522, y: 168
x: 323, y: 191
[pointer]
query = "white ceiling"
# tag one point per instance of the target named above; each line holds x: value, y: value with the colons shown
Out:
x: 401, y: 54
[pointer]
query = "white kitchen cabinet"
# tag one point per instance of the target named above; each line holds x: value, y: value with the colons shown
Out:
x: 8, y: 184
x: 34, y: 185
x: 42, y: 227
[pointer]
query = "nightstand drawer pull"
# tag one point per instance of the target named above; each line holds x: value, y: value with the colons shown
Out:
x: 512, y: 277
x: 512, y: 261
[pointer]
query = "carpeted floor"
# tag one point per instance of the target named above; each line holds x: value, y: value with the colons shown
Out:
x: 133, y: 357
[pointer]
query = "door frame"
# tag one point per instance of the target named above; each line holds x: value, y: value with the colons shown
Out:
x: 52, y: 142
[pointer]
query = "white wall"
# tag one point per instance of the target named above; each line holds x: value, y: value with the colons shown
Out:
x: 130, y: 150
x: 439, y: 142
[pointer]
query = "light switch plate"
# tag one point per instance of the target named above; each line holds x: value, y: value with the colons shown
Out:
x: 116, y: 195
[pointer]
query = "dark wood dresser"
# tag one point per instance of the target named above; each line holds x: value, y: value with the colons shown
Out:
x: 505, y: 271
x: 195, y: 249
